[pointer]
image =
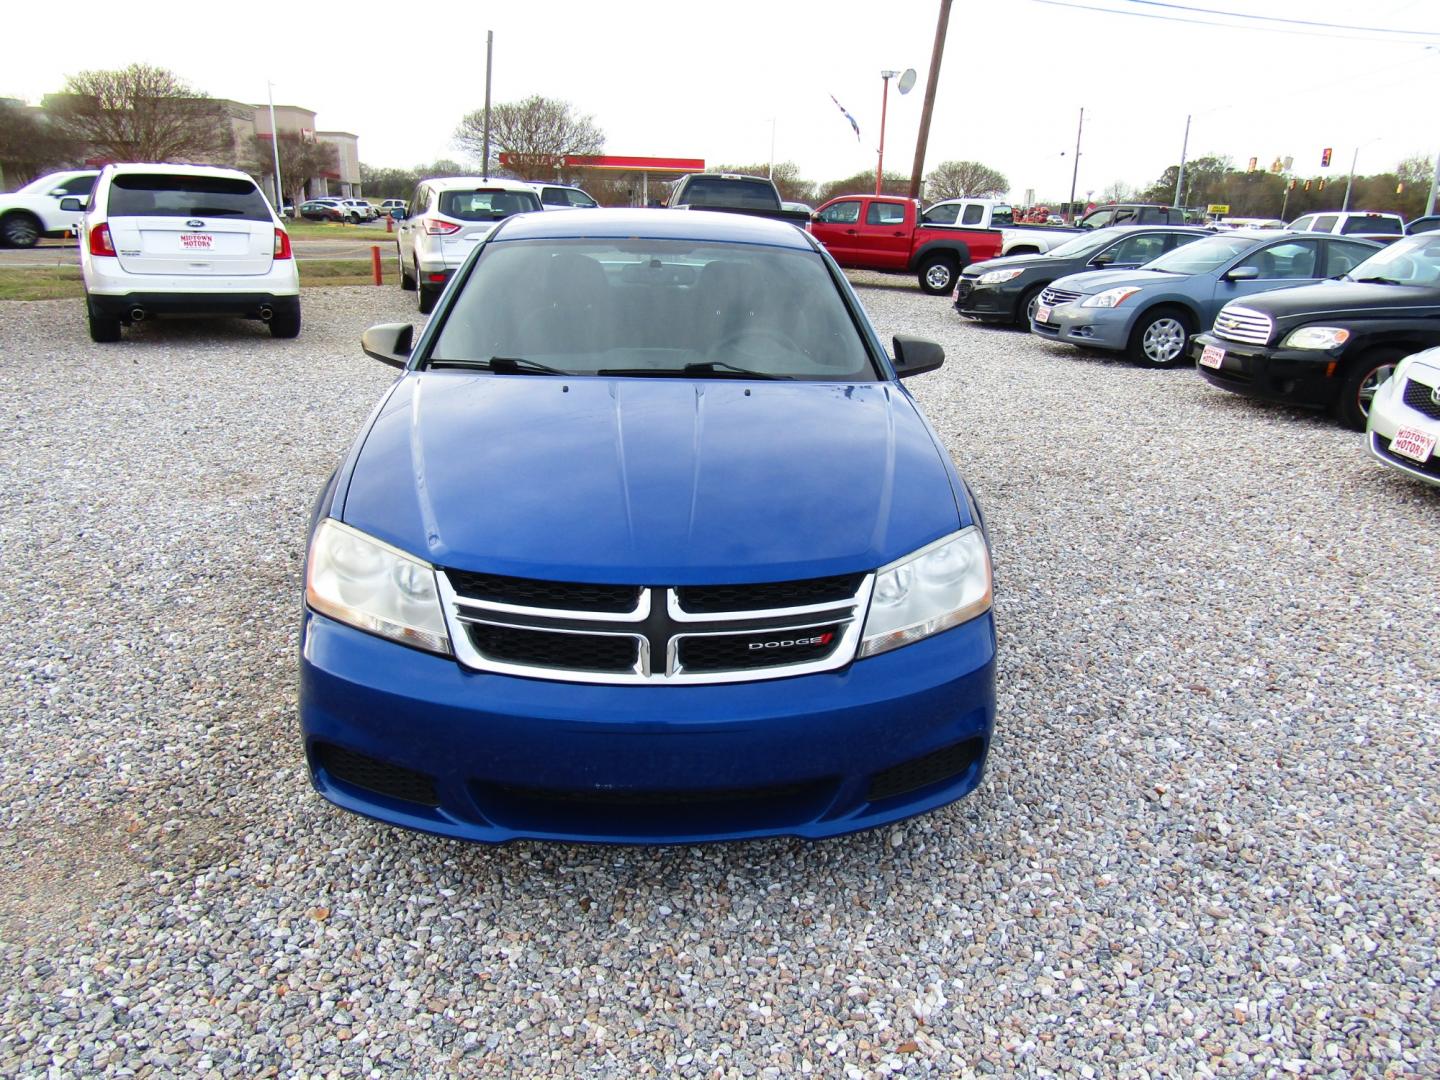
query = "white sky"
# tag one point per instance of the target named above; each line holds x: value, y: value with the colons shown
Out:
x: 661, y: 81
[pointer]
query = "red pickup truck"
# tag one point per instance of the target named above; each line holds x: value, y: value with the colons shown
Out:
x: 879, y: 232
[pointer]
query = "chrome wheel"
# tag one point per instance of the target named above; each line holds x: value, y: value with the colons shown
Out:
x: 1163, y: 340
x: 938, y: 277
x: 1365, y: 395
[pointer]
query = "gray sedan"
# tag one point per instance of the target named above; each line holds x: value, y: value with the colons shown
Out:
x: 1150, y: 313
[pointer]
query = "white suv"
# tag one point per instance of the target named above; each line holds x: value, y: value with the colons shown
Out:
x: 358, y: 210
x: 34, y: 211
x: 447, y: 218
x: 184, y: 239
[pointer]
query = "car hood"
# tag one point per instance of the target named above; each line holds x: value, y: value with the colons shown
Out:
x: 1090, y: 282
x: 664, y: 481
x: 1008, y: 262
x: 1346, y: 299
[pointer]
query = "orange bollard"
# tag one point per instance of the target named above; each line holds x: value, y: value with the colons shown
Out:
x: 375, y: 263
x: 389, y: 223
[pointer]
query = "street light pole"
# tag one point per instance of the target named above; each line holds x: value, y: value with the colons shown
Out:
x: 485, y: 138
x: 885, y: 77
x: 275, y: 146
x: 1075, y: 172
x: 1434, y: 182
x: 1180, y: 179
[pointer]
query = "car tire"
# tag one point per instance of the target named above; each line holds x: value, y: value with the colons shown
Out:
x: 103, y: 328
x: 1362, y: 378
x: 407, y: 280
x: 937, y: 275
x: 424, y: 298
x: 1161, y: 337
x: 285, y: 324
x: 20, y: 230
x: 1025, y: 309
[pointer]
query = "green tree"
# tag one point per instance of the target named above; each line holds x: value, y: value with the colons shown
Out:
x: 786, y: 176
x: 964, y: 179
x: 534, y: 133
x: 142, y: 113
x: 862, y: 183
x: 393, y: 183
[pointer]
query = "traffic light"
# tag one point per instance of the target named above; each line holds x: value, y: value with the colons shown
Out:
x: 1253, y: 163
x: 1321, y: 186
x: 1307, y: 185
x: 1400, y: 188
x: 1325, y: 158
x: 1293, y: 183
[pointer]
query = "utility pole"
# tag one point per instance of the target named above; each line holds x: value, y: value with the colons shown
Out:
x: 885, y: 77
x: 918, y: 169
x: 1434, y: 182
x: 275, y: 146
x: 1350, y: 180
x: 1180, y: 180
x: 771, y: 173
x: 485, y: 139
x: 1075, y: 173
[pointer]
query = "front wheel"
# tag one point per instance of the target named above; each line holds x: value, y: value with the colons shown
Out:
x: 937, y: 275
x: 1025, y: 309
x: 20, y: 230
x: 1160, y: 337
x: 1363, y: 377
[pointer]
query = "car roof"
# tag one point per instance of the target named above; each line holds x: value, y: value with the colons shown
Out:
x: 453, y: 183
x: 656, y: 224
x: 167, y: 168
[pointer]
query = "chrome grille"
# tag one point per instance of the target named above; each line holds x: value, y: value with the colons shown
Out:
x: 1244, y: 324
x: 666, y: 635
x: 1053, y: 297
x: 1422, y: 398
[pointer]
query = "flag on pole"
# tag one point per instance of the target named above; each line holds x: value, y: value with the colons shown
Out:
x: 853, y: 124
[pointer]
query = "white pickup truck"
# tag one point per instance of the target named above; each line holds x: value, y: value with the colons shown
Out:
x: 34, y: 211
x: 1365, y: 224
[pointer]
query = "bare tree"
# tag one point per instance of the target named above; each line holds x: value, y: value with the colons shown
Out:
x: 862, y: 183
x: 534, y: 132
x: 31, y: 145
x: 142, y: 113
x: 301, y: 160
x: 964, y: 179
x: 786, y: 176
x: 1117, y: 192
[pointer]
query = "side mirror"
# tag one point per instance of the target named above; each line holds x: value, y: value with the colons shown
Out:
x: 71, y: 205
x: 390, y: 343
x: 815, y: 218
x: 915, y: 356
x: 1105, y: 258
x: 1243, y: 273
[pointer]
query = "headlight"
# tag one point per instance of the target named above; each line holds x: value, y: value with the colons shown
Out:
x: 1110, y: 298
x: 995, y: 277
x: 1316, y: 337
x: 939, y: 586
x: 359, y: 580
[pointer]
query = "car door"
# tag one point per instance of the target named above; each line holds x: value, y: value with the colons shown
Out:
x: 1131, y: 251
x: 1280, y: 265
x: 405, y: 233
x: 1342, y: 256
x: 77, y: 187
x: 884, y: 234
x: 837, y: 226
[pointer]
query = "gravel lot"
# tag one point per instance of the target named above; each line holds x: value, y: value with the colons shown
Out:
x: 1207, y: 843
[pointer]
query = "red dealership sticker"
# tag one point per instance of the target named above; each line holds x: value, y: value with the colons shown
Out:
x: 196, y: 240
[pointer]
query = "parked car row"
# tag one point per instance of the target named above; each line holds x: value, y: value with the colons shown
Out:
x: 1322, y: 320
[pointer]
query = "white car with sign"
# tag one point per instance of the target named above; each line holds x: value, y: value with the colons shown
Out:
x: 1404, y: 423
x: 184, y: 240
x: 34, y: 211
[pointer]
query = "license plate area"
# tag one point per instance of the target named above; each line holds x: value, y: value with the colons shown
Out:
x: 1212, y: 356
x: 1414, y: 444
x: 1042, y: 313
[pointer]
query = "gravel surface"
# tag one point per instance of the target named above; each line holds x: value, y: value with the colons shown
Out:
x: 1206, y: 844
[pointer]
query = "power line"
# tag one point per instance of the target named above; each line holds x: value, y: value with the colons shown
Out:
x: 1278, y: 19
x: 1221, y: 25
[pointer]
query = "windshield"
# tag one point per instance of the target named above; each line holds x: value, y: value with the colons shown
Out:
x: 486, y: 204
x: 1084, y: 244
x: 1386, y: 226
x: 1203, y: 255
x: 720, y: 191
x: 1412, y: 261
x: 657, y: 308
x: 171, y: 195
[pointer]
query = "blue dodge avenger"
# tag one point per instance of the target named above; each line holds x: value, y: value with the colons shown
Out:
x: 647, y: 543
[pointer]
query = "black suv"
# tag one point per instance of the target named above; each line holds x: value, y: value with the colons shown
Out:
x: 1008, y: 288
x: 1331, y: 345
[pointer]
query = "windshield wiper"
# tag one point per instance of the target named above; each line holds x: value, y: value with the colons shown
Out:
x: 1377, y: 281
x: 708, y: 367
x: 505, y: 365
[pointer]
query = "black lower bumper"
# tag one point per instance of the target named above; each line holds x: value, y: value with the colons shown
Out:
x: 1309, y: 378
x: 245, y: 305
x: 985, y: 304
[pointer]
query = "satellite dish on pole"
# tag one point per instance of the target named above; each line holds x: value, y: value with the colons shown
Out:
x: 907, y: 81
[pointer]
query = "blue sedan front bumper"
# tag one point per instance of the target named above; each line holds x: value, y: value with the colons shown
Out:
x: 417, y: 740
x: 1090, y: 328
